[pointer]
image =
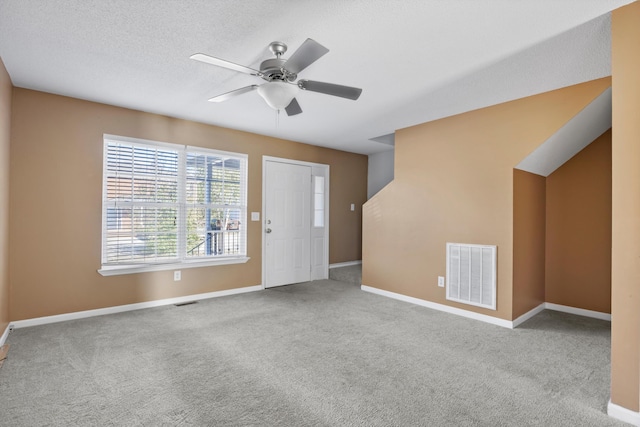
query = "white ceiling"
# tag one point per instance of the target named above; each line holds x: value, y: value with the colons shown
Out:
x: 416, y: 60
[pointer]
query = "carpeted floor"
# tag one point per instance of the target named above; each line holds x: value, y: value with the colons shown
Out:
x: 349, y: 274
x: 314, y: 354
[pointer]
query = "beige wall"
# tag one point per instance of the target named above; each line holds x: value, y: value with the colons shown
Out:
x: 454, y: 183
x: 56, y: 190
x: 562, y: 233
x: 529, y: 225
x: 625, y: 239
x: 578, y: 248
x: 5, y: 134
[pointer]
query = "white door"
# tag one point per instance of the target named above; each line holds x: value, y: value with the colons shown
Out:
x: 287, y: 223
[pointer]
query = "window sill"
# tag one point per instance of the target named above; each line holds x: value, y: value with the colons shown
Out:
x: 144, y: 268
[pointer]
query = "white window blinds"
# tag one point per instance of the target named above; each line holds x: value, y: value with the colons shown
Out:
x: 167, y: 203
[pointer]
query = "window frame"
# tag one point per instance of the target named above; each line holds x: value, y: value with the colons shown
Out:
x: 181, y: 261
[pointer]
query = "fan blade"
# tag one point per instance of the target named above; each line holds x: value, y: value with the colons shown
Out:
x: 226, y: 64
x: 308, y: 53
x: 330, y: 89
x: 293, y: 108
x: 233, y: 93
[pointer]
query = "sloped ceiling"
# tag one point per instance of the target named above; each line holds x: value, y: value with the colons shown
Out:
x: 594, y: 120
x: 416, y: 60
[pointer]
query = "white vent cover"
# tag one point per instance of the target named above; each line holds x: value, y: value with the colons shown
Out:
x: 471, y: 274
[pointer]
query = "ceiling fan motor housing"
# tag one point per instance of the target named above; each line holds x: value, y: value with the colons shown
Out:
x: 273, y: 69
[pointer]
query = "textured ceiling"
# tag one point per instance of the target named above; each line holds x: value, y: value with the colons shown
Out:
x: 416, y: 60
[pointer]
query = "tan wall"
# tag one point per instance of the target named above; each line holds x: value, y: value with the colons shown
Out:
x: 529, y: 224
x: 56, y: 190
x: 625, y: 239
x: 578, y: 251
x: 5, y: 135
x: 454, y: 183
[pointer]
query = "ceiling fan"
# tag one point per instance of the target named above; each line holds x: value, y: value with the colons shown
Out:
x: 280, y: 75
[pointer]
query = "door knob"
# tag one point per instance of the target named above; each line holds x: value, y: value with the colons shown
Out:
x: 268, y: 230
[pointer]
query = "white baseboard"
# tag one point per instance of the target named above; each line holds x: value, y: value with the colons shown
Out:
x: 490, y: 319
x: 623, y: 414
x: 5, y: 334
x: 528, y: 315
x: 129, y: 307
x: 578, y: 311
x: 345, y: 264
x: 563, y: 308
x: 441, y: 307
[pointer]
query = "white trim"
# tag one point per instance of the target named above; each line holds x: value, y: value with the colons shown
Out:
x: 291, y: 161
x: 130, y: 140
x: 345, y: 264
x: 131, y: 269
x: 129, y: 307
x: 578, y: 311
x: 528, y: 315
x: 623, y: 414
x: 483, y: 317
x: 441, y: 307
x: 5, y: 334
x: 173, y: 145
x: 215, y: 151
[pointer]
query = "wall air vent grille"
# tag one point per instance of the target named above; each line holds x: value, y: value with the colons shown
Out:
x: 471, y: 274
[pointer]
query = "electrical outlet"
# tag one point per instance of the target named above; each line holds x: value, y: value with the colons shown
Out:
x: 441, y: 281
x: 177, y: 276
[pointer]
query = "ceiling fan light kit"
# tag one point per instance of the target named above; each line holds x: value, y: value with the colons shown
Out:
x: 278, y: 94
x: 280, y: 89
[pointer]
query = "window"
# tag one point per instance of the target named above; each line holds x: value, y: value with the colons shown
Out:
x: 318, y: 201
x: 167, y: 204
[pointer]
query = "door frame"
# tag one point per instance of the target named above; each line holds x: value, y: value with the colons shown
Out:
x: 326, y: 170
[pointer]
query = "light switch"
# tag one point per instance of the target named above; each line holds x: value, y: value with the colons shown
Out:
x: 441, y: 281
x: 353, y: 207
x: 255, y: 216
